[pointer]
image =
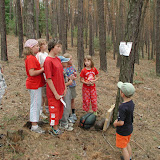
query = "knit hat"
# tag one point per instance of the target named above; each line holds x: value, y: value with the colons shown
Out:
x: 30, y: 43
x: 127, y: 88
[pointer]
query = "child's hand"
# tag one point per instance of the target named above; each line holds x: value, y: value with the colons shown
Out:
x: 70, y: 81
x: 65, y: 91
x: 71, y: 77
x: 115, y: 123
x: 42, y: 69
x: 88, y: 82
x: 57, y: 96
x: 42, y: 65
x: 92, y: 81
x: 75, y: 74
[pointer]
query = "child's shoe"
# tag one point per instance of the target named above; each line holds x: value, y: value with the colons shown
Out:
x: 66, y: 127
x: 38, y: 130
x: 71, y: 120
x: 73, y: 116
x: 55, y: 132
x: 70, y: 124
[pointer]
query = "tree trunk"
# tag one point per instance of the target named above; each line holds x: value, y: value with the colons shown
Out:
x: 91, y: 35
x: 86, y: 25
x: 102, y: 35
x: 153, y: 28
x: 20, y: 28
x: 30, y: 31
x: 113, y: 29
x: 80, y: 48
x: 141, y: 44
x: 120, y: 34
x: 131, y: 35
x: 62, y: 26
x: 15, y: 14
x: 4, y: 56
x: 158, y: 39
x: 66, y: 24
x: 53, y: 19
x: 72, y: 25
x: 37, y: 18
x: 47, y: 27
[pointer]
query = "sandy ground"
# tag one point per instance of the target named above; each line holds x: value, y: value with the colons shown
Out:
x: 80, y: 144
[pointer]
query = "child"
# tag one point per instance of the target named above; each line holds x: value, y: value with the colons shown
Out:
x: 123, y: 124
x: 3, y: 85
x: 89, y: 75
x: 55, y: 84
x: 34, y: 83
x: 64, y: 123
x: 41, y: 56
x: 70, y: 70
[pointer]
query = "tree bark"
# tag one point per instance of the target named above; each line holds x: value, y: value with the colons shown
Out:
x: 37, y: 18
x: 112, y: 29
x: 158, y: 39
x: 72, y: 25
x: 120, y: 30
x: 62, y: 26
x: 20, y: 28
x: 80, y: 47
x: 91, y: 34
x: 4, y: 56
x: 54, y: 19
x: 47, y: 27
x: 30, y: 31
x: 102, y: 35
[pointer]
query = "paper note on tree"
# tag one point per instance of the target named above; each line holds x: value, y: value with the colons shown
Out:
x: 125, y: 49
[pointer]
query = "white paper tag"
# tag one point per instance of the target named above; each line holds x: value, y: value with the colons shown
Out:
x: 125, y: 49
x: 61, y: 99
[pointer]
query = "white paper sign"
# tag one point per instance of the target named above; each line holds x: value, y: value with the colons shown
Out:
x: 125, y: 49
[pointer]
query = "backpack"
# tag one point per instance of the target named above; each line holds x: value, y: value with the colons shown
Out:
x: 87, y: 121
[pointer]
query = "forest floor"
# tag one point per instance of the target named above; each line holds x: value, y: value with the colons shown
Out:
x: 80, y: 144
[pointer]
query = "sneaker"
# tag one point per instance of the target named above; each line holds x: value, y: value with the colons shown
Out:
x: 55, y: 132
x: 71, y: 120
x: 70, y: 124
x: 73, y: 116
x: 66, y: 127
x: 38, y: 130
x: 43, y: 116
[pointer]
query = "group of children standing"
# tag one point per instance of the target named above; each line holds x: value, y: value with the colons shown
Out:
x: 54, y: 76
x: 51, y: 80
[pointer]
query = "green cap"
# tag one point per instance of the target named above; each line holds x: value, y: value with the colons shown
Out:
x: 127, y: 88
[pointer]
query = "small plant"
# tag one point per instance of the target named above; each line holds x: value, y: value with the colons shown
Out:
x: 137, y: 82
x: 8, y: 119
x: 155, y: 138
x: 77, y: 156
x: 2, y: 126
